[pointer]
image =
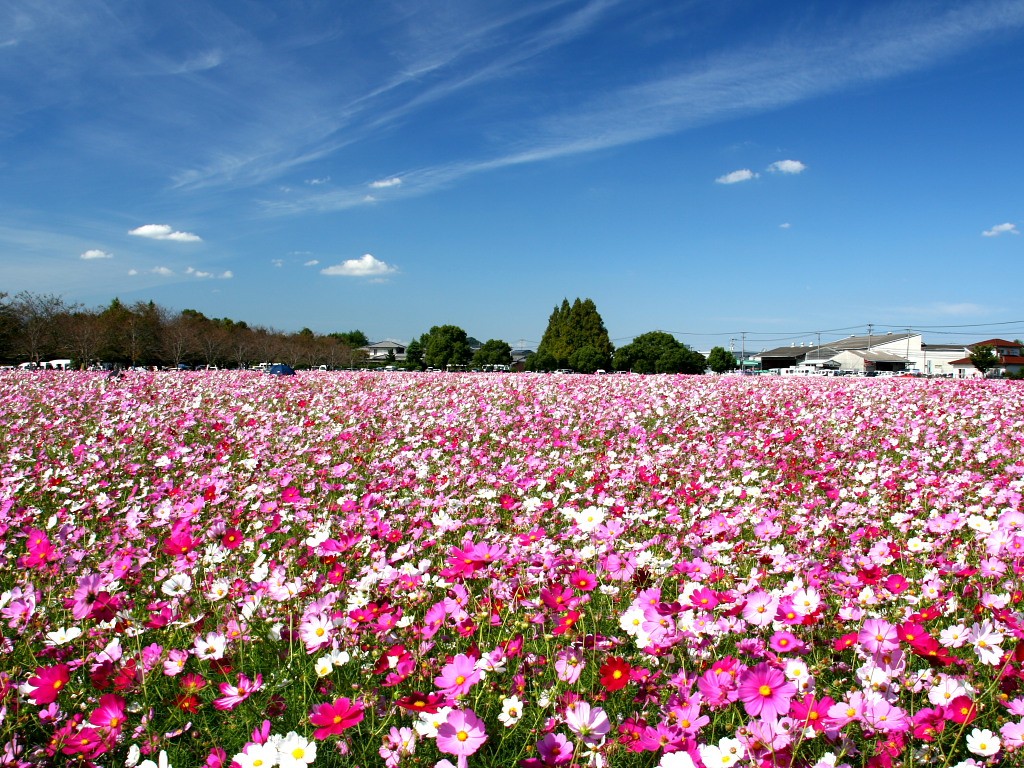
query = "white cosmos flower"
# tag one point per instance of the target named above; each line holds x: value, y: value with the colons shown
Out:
x: 63, y: 636
x: 981, y: 741
x: 177, y: 585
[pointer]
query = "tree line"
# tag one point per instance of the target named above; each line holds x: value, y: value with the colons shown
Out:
x: 40, y: 327
x: 37, y: 328
x: 575, y: 339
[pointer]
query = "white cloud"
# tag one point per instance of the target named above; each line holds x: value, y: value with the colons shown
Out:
x: 133, y: 271
x: 366, y: 266
x: 787, y: 166
x: 1001, y: 229
x: 385, y: 183
x: 277, y: 262
x: 318, y: 182
x: 311, y: 263
x: 744, y: 174
x: 162, y: 271
x: 96, y: 253
x: 785, y: 225
x: 203, y: 274
x: 164, y: 232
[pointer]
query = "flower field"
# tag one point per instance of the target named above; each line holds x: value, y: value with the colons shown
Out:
x: 365, y: 569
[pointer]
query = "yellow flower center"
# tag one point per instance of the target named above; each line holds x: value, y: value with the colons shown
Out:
x: 765, y: 690
x: 462, y: 736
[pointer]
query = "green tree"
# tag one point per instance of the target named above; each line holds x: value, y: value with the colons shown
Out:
x: 354, y: 339
x: 658, y: 352
x: 587, y: 359
x: 984, y: 357
x: 493, y: 352
x: 721, y: 360
x: 414, y: 355
x: 446, y: 345
x: 570, y: 329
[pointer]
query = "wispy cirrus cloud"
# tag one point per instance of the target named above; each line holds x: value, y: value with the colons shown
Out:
x: 883, y: 44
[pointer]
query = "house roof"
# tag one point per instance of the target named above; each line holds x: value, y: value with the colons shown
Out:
x: 995, y: 343
x: 877, y: 356
x: 1003, y: 360
x: 385, y: 345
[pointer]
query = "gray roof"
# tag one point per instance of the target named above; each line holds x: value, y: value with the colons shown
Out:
x: 832, y: 348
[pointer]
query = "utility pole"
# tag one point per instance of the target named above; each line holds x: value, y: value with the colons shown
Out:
x: 870, y: 327
x: 743, y: 351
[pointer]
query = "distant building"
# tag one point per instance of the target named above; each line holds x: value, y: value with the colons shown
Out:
x: 1010, y: 359
x: 874, y: 352
x: 384, y: 350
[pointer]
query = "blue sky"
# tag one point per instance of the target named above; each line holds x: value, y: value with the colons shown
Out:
x: 704, y: 167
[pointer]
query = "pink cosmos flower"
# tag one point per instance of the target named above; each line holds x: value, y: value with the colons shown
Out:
x: 458, y: 677
x: 463, y: 733
x: 760, y: 609
x: 233, y: 695
x: 569, y: 665
x: 583, y: 581
x: 878, y: 635
x: 553, y: 749
x: 315, y: 632
x: 332, y: 719
x: 765, y: 691
x: 589, y: 723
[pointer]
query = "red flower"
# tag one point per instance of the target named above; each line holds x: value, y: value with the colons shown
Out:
x: 566, y: 622
x: 187, y: 703
x: 48, y: 683
x: 615, y: 673
x: 335, y: 718
x: 231, y: 539
x: 422, y: 702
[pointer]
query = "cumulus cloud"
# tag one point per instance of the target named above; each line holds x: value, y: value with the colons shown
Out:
x: 133, y: 272
x: 366, y: 266
x: 787, y: 166
x: 385, y: 183
x: 1001, y: 229
x: 744, y: 174
x: 277, y: 262
x: 96, y: 253
x: 164, y: 271
x: 311, y: 263
x: 164, y: 232
x: 785, y: 225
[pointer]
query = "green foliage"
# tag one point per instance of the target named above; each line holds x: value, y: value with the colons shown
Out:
x: 570, y: 329
x: 446, y: 345
x: 721, y: 360
x: 493, y: 352
x: 354, y: 339
x: 587, y: 359
x: 658, y: 352
x: 984, y: 357
x: 414, y: 355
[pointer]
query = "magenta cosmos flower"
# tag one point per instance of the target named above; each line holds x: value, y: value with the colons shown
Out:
x: 463, y: 733
x: 334, y: 718
x: 765, y: 692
